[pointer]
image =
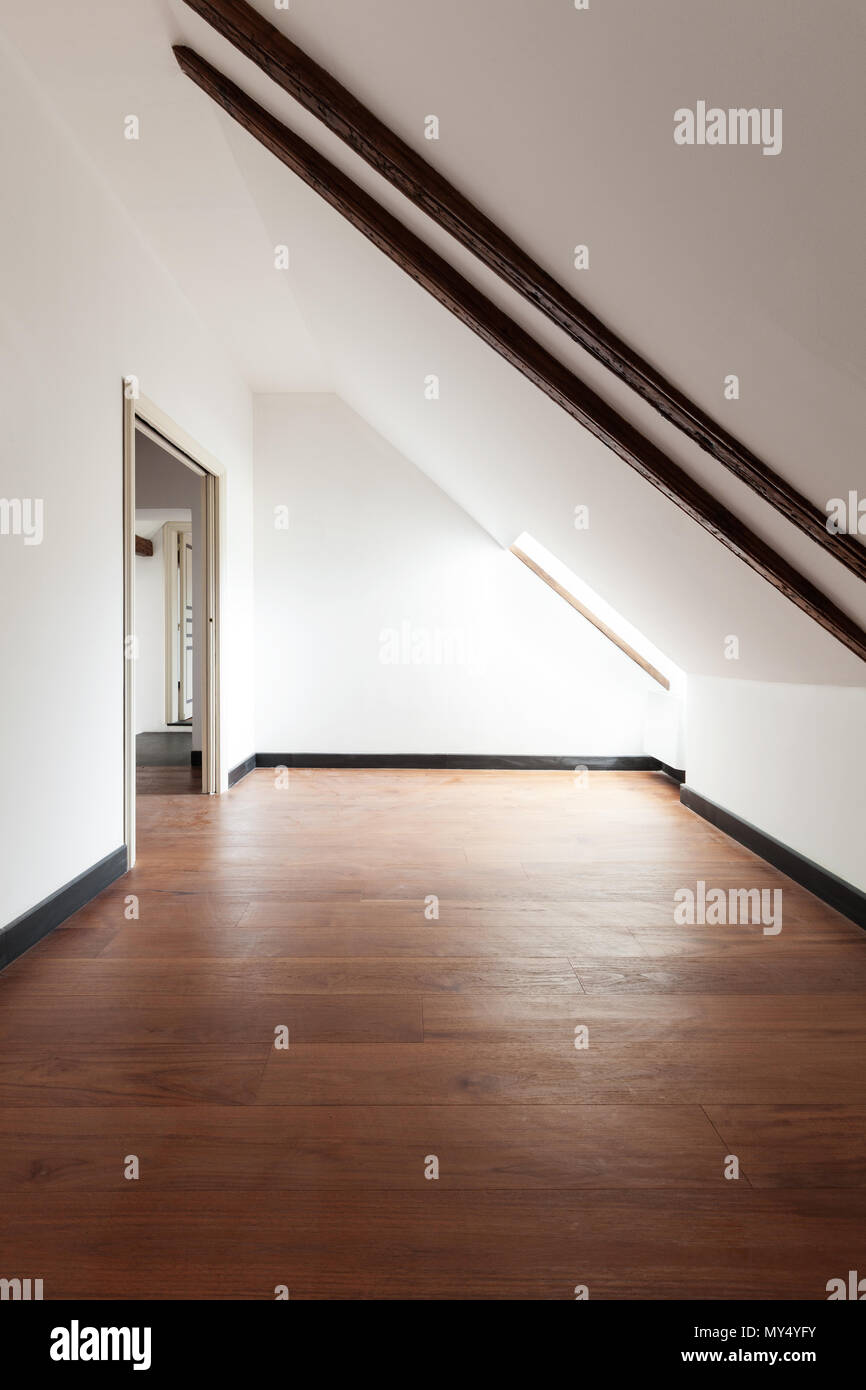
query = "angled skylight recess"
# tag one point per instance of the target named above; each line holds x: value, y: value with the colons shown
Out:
x: 597, y: 611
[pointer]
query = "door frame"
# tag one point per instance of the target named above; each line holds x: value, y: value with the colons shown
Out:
x: 172, y: 532
x: 139, y: 410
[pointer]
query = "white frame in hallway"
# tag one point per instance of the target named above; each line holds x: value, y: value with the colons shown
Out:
x: 138, y: 411
x: 171, y: 534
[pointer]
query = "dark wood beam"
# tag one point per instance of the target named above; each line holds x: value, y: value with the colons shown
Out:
x: 143, y: 547
x: 439, y: 278
x: 320, y: 93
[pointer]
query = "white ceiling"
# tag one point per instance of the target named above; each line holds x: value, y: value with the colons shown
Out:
x: 559, y: 124
x: 149, y: 520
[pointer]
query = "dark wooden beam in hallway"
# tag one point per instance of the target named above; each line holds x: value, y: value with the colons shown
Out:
x: 310, y: 906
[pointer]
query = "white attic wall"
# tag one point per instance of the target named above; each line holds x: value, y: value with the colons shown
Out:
x: 664, y: 724
x: 790, y: 759
x: 84, y: 302
x: 794, y: 373
x: 569, y: 113
x: 372, y: 549
x: 178, y: 180
x: 514, y: 461
x: 559, y: 127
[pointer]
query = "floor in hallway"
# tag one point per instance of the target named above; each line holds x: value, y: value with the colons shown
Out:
x: 163, y: 766
x: 432, y: 941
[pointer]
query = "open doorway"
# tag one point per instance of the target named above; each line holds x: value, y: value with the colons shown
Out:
x: 182, y: 626
x: 171, y: 565
x: 168, y: 620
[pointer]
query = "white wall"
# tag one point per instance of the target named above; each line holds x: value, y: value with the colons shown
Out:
x: 83, y: 303
x: 665, y: 730
x: 790, y: 759
x: 517, y: 462
x: 373, y: 546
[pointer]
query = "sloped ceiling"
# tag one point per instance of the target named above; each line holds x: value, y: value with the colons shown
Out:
x: 558, y: 123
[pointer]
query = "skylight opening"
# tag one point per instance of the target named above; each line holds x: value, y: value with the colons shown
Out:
x: 599, y: 612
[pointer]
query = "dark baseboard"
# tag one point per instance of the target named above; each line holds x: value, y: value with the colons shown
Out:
x: 465, y: 762
x: 674, y: 773
x: 239, y: 772
x: 844, y: 897
x: 31, y: 926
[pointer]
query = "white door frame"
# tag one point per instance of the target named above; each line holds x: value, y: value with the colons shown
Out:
x: 139, y: 411
x: 172, y: 532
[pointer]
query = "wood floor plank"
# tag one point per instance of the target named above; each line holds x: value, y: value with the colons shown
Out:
x: 262, y: 1148
x: 232, y: 1024
x: 414, y: 1035
x: 661, y: 1073
x: 308, y: 881
x: 841, y: 969
x: 613, y: 1019
x: 102, y: 1077
x: 426, y: 941
x: 86, y: 943
x: 125, y: 978
x: 111, y: 908
x: 524, y: 913
x: 796, y: 1145
x: 735, y: 941
x: 438, y: 1244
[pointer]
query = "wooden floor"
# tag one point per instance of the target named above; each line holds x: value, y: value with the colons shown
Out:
x: 414, y: 1036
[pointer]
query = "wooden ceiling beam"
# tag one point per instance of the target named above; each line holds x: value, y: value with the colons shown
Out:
x: 439, y: 278
x: 320, y: 93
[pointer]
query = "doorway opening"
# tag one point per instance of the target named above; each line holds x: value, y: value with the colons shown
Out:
x: 181, y: 625
x: 171, y: 611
